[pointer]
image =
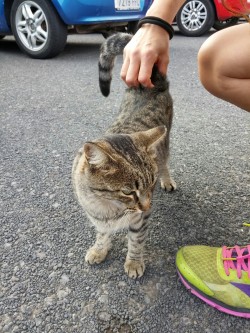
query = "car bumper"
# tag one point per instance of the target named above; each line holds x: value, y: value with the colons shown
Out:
x: 4, y: 28
x: 75, y: 12
x: 224, y: 14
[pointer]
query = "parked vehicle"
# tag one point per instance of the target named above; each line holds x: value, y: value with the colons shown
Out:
x: 41, y: 27
x: 197, y: 17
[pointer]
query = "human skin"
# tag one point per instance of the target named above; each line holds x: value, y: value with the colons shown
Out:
x: 223, y: 60
x: 224, y: 66
x: 149, y: 46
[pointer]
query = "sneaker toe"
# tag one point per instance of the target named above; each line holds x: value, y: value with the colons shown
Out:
x: 187, y: 271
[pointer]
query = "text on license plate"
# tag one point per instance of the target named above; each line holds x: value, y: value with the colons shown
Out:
x: 127, y: 4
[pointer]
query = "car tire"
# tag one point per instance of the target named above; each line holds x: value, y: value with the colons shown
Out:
x: 195, y: 17
x: 38, y: 29
x: 219, y: 25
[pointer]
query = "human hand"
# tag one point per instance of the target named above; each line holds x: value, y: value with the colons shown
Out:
x: 148, y: 47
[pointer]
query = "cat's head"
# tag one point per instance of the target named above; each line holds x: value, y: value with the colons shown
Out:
x: 122, y: 168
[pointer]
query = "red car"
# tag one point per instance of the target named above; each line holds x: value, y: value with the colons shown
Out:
x: 197, y: 17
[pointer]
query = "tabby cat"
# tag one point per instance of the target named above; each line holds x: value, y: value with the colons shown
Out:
x: 114, y: 176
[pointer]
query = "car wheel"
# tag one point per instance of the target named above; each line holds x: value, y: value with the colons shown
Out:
x: 195, y: 17
x: 38, y: 30
x: 219, y: 25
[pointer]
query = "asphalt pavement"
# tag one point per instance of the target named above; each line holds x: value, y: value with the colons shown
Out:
x: 48, y: 109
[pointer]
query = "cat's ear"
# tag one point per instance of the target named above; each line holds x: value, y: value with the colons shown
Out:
x: 94, y: 154
x: 153, y: 137
x: 150, y: 138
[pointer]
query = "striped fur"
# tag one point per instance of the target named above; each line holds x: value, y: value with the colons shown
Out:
x: 109, y: 50
x: 114, y: 176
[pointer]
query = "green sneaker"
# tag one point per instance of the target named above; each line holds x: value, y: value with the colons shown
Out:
x: 218, y: 276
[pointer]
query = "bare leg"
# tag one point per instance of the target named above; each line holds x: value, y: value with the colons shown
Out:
x: 224, y: 65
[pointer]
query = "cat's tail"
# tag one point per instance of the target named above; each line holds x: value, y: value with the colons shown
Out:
x: 112, y: 47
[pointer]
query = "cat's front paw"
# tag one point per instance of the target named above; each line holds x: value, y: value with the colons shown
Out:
x: 134, y: 268
x: 168, y: 185
x: 93, y: 256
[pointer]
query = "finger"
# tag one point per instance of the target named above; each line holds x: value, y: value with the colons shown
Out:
x: 145, y: 72
x: 131, y: 75
x: 162, y: 66
x: 124, y: 69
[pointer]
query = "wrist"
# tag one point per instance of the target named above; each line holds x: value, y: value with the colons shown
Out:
x: 155, y: 30
x: 156, y: 21
x: 165, y: 9
x: 166, y: 18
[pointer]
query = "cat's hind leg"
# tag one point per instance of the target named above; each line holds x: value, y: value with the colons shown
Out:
x: 98, y: 252
x: 167, y: 182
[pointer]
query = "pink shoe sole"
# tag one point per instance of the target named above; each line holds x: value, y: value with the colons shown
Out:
x: 218, y: 306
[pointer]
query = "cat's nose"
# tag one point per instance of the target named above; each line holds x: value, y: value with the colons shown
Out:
x: 144, y: 202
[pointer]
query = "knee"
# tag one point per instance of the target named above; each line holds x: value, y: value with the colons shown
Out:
x: 206, y: 65
x: 210, y: 68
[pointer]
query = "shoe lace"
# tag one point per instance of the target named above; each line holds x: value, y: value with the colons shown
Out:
x: 236, y: 258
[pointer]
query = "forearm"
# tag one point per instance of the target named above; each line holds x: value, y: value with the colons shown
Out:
x: 165, y: 9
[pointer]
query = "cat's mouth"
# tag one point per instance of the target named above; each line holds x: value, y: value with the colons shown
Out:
x: 138, y: 210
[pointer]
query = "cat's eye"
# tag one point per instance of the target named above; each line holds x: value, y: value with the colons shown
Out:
x: 127, y: 191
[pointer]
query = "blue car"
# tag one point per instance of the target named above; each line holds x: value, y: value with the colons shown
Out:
x: 41, y: 27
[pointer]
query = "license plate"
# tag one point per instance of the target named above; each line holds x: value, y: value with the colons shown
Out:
x: 127, y: 4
